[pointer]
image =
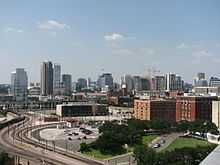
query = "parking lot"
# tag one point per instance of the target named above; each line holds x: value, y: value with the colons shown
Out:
x: 70, y: 138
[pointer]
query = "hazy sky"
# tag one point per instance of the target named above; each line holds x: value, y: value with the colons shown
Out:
x: 119, y: 36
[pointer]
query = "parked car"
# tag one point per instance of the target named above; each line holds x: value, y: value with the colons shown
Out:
x: 157, y: 145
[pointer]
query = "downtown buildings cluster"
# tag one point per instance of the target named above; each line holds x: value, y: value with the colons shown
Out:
x: 150, y: 97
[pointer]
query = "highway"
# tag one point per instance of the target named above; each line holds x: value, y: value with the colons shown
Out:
x: 16, y: 142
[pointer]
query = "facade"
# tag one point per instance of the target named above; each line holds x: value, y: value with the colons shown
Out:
x: 81, y: 109
x: 145, y: 84
x: 67, y: 84
x: 214, y: 82
x: 174, y: 82
x: 137, y: 83
x: 105, y: 82
x: 34, y: 90
x: 46, y: 79
x: 200, y: 80
x: 19, y: 84
x: 214, y: 91
x: 82, y: 83
x: 56, y: 78
x: 160, y: 83
x: 193, y: 108
x: 216, y: 113
x: 128, y: 81
x: 155, y: 109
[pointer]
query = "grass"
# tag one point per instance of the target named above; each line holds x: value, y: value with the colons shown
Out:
x: 182, y: 142
x: 148, y: 139
x: 97, y: 154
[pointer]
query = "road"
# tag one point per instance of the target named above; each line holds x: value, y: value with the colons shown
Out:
x: 14, y: 142
x: 167, y: 138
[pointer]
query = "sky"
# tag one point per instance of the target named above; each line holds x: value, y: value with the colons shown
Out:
x: 88, y: 37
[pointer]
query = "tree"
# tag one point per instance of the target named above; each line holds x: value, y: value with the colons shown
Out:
x: 3, y: 158
x: 145, y: 155
x: 84, y: 147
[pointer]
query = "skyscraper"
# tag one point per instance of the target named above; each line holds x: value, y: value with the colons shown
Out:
x: 174, y: 82
x: 105, y: 82
x: 200, y: 80
x: 82, y: 83
x: 67, y: 83
x: 160, y: 83
x: 137, y: 83
x: 127, y: 80
x: 47, y: 78
x: 19, y: 84
x: 56, y: 78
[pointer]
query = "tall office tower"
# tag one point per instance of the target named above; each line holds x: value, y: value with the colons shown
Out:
x: 46, y: 78
x: 173, y: 82
x: 214, y: 82
x: 105, y: 82
x: 82, y: 83
x: 89, y: 82
x: 201, y: 76
x: 160, y: 83
x: 145, y: 84
x: 56, y: 78
x: 200, y: 80
x: 67, y: 84
x: 19, y: 84
x: 127, y: 80
x: 137, y: 83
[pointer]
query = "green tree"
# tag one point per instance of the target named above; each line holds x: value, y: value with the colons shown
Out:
x: 145, y: 155
x: 84, y: 147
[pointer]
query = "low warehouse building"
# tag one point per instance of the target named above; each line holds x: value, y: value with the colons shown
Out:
x: 81, y: 109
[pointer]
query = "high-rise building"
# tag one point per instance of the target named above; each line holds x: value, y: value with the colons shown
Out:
x: 56, y: 77
x: 19, y: 84
x: 67, y: 84
x: 127, y: 80
x: 174, y: 82
x: 160, y: 83
x: 145, y: 84
x: 89, y: 82
x: 201, y: 76
x: 137, y: 83
x: 105, y: 82
x: 82, y: 83
x: 47, y: 78
x: 200, y: 80
x: 214, y: 82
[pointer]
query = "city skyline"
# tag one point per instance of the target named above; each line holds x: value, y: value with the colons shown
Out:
x: 86, y: 37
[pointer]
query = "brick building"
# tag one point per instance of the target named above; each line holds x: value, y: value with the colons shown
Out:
x: 193, y: 108
x: 159, y: 109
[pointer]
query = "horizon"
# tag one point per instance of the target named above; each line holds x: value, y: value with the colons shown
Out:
x: 91, y: 37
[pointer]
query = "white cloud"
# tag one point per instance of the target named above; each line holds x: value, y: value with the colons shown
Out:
x: 114, y: 37
x: 52, y: 25
x: 182, y: 46
x: 10, y: 29
x: 201, y: 54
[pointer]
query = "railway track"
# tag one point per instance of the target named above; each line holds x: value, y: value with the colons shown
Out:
x: 19, y: 134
